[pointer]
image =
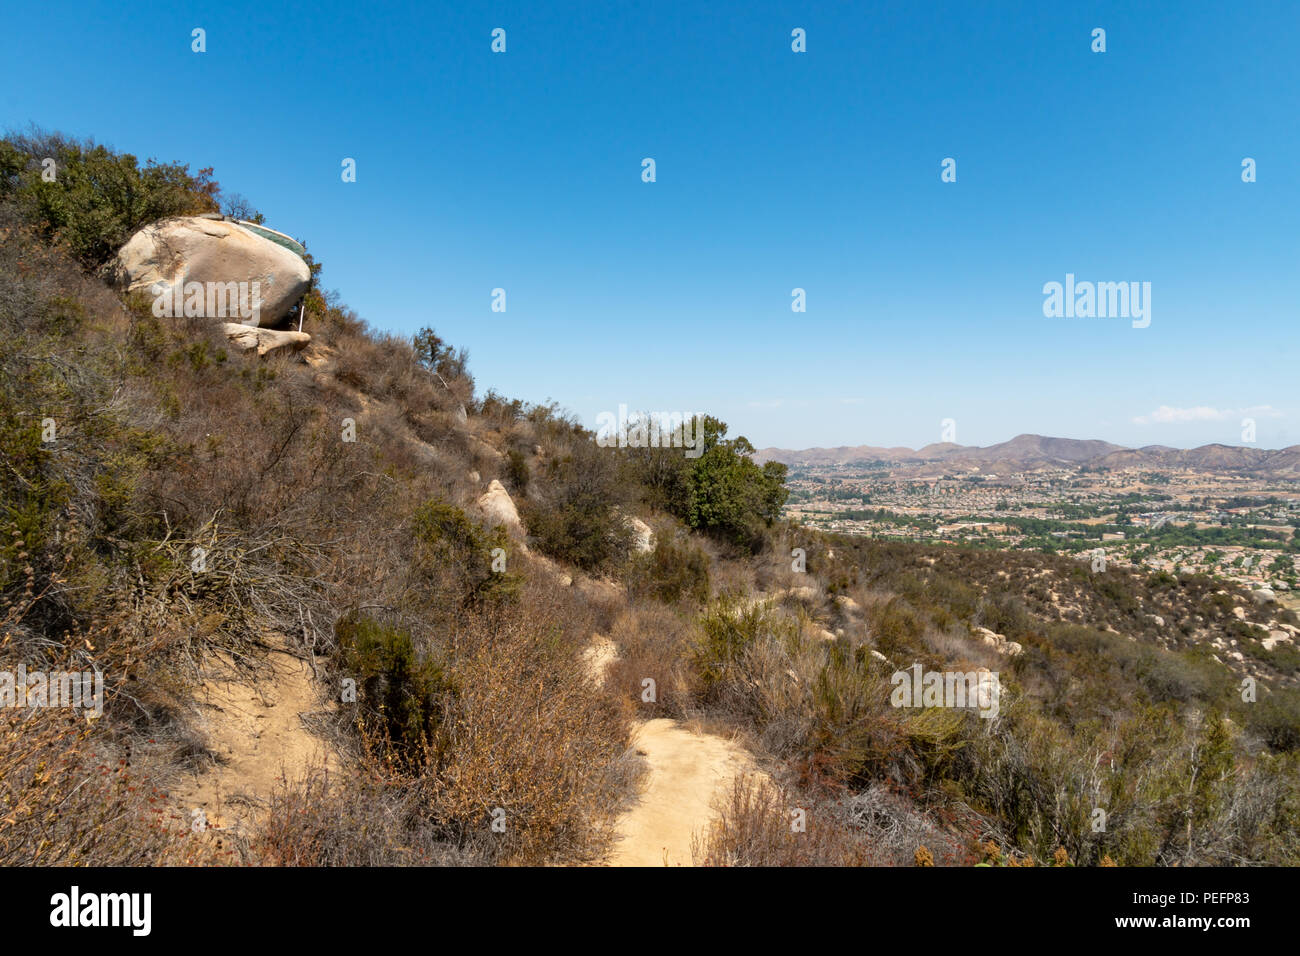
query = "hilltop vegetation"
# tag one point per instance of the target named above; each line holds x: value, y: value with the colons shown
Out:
x: 165, y: 501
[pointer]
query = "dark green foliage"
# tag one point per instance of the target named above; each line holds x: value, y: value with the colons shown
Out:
x: 730, y: 496
x: 577, y: 518
x: 517, y: 473
x: 721, y: 492
x: 97, y: 198
x: 1276, y: 719
x: 403, y: 697
x: 452, y: 546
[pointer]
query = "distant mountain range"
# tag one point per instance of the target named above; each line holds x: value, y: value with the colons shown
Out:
x: 1031, y: 452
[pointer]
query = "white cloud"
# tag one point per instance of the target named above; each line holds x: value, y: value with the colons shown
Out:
x: 1169, y: 415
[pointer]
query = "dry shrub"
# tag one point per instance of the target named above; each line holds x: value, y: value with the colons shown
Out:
x: 653, y: 642
x: 527, y: 734
x: 515, y: 728
x: 354, y: 821
x: 65, y: 800
x: 675, y: 572
x: 761, y: 824
x: 895, y: 827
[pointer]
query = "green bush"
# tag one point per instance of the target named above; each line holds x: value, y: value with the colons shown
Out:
x: 730, y: 626
x: 721, y: 492
x: 1276, y: 719
x: 576, y: 516
x: 517, y: 473
x: 402, y: 697
x: 97, y: 198
x: 449, y: 544
x: 729, y: 495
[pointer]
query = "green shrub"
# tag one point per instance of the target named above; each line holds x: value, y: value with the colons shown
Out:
x: 730, y: 626
x: 402, y: 697
x: 98, y: 198
x: 449, y: 544
x: 729, y: 495
x: 517, y: 473
x: 1276, y: 719
x: 576, y: 516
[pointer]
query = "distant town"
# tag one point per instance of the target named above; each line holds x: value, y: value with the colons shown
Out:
x: 1234, y: 527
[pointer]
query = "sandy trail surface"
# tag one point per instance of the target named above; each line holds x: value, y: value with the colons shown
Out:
x: 687, y: 772
x: 257, y: 737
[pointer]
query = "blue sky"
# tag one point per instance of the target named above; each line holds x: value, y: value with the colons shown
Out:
x: 775, y: 170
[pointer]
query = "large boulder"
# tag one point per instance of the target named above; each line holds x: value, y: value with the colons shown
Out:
x: 167, y: 258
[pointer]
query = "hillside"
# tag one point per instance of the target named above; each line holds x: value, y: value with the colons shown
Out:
x: 351, y: 609
x: 1027, y: 452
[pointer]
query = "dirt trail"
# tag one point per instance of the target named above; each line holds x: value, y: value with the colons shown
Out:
x: 257, y: 735
x: 686, y: 773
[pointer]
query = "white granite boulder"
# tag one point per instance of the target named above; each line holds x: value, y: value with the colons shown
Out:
x: 248, y: 337
x: 499, y: 509
x: 213, y: 268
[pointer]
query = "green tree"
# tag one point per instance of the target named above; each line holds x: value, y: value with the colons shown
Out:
x: 728, y: 494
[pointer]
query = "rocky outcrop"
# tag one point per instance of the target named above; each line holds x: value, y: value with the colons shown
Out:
x: 212, y: 268
x: 265, y: 341
x: 997, y: 642
x: 643, y: 539
x: 1275, y: 638
x: 499, y: 510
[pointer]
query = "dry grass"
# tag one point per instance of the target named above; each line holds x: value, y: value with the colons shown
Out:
x: 654, y: 643
x: 67, y: 798
x: 760, y: 824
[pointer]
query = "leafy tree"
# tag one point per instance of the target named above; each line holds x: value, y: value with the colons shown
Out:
x: 721, y: 492
x: 729, y: 495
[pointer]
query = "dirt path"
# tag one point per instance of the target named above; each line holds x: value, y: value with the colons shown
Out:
x: 257, y: 735
x: 686, y: 772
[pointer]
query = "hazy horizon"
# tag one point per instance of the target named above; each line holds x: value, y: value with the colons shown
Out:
x: 919, y: 446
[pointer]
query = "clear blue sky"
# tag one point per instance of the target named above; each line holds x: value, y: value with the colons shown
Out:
x: 775, y: 170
